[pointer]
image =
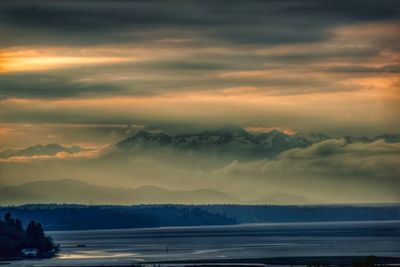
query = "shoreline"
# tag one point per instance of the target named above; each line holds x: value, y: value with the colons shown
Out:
x: 216, y: 226
x: 316, y: 261
x: 296, y: 260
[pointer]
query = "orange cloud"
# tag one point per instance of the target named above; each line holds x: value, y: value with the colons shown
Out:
x: 33, y: 60
x: 91, y: 153
x: 47, y: 58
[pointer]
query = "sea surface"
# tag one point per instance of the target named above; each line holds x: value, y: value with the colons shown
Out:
x: 124, y: 246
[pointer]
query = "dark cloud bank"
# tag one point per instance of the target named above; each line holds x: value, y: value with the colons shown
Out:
x: 242, y: 22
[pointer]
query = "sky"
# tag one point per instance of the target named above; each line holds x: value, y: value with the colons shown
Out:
x: 93, y: 72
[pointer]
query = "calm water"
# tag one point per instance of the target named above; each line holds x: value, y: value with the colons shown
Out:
x: 241, y: 241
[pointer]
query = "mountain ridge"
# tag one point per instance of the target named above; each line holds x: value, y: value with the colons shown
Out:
x: 225, y: 140
x: 238, y: 141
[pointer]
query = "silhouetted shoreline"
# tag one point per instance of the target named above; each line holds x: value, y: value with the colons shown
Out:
x: 309, y: 261
x: 356, y: 261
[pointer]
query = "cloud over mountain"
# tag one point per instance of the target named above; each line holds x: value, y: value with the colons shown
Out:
x: 330, y: 165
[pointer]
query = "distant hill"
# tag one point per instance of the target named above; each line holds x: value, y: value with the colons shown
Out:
x: 73, y: 191
x: 282, y: 199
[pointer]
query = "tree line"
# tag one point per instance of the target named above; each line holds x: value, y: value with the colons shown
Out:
x: 14, y: 238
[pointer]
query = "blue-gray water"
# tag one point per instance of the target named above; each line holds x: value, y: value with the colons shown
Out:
x: 221, y: 242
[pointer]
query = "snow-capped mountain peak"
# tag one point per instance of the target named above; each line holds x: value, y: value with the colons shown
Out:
x: 146, y: 138
x: 234, y: 140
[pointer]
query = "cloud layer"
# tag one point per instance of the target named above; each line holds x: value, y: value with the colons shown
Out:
x: 254, y: 22
x: 368, y: 170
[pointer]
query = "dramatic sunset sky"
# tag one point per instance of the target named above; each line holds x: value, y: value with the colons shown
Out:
x: 93, y: 72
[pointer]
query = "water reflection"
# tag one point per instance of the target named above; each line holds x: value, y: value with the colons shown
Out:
x: 96, y: 254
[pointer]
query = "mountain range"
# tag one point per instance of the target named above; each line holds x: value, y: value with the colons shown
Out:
x: 237, y: 141
x: 40, y: 150
x: 228, y: 140
x: 225, y: 140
